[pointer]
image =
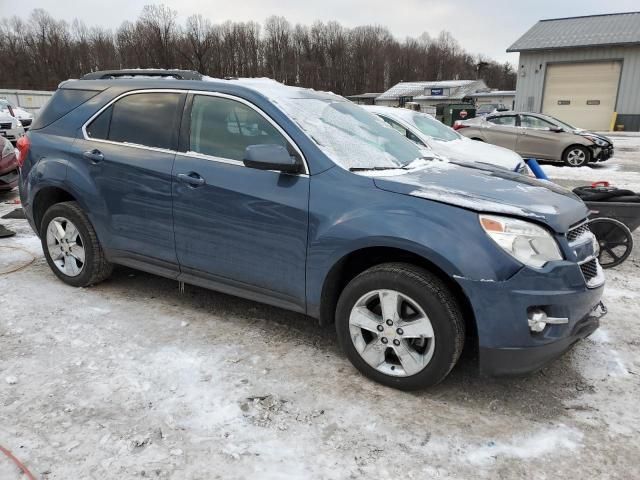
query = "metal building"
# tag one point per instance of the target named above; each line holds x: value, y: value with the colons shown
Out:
x: 583, y: 70
x: 431, y: 93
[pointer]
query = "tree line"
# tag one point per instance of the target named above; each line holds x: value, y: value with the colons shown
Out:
x: 39, y: 52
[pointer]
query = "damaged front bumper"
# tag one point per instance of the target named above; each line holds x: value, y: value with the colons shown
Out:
x: 503, y: 309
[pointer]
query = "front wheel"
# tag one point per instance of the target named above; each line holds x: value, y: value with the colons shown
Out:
x: 71, y: 246
x: 576, y: 156
x: 400, y: 326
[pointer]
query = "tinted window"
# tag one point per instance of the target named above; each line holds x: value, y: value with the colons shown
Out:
x: 224, y: 128
x: 149, y: 119
x: 434, y: 128
x: 61, y: 103
x: 99, y: 128
x: 528, y: 121
x: 507, y: 121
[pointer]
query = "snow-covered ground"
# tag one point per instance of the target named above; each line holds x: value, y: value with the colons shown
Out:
x: 132, y: 379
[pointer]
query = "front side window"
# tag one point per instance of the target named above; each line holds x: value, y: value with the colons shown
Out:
x: 224, y: 128
x: 148, y: 119
x: 529, y: 121
x: 505, y: 121
x: 395, y: 125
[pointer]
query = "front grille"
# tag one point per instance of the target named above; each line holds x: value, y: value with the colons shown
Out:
x: 575, y: 233
x: 589, y: 269
x: 5, y: 126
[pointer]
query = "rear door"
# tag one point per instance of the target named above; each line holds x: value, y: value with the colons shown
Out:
x: 536, y: 140
x: 128, y: 150
x: 502, y: 130
x: 238, y: 229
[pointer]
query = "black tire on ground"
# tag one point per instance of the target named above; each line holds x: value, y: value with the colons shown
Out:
x: 433, y: 297
x: 576, y: 156
x: 615, y: 241
x: 96, y: 267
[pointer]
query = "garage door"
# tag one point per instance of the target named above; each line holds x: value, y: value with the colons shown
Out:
x: 582, y: 94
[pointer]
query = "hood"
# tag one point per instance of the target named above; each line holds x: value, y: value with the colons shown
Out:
x: 467, y: 150
x: 486, y: 189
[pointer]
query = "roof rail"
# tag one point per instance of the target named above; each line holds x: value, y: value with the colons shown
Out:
x: 144, y: 73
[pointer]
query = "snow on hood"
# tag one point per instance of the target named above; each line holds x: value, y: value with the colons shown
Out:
x: 491, y: 190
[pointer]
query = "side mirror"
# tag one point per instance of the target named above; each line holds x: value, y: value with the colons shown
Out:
x: 270, y: 157
x: 556, y: 129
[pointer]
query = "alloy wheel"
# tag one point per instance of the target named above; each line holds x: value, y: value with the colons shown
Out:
x: 392, y: 333
x: 66, y: 246
x: 576, y: 157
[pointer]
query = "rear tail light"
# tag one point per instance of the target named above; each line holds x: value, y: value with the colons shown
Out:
x: 457, y: 125
x: 23, y: 144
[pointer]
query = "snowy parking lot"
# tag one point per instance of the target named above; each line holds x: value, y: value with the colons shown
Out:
x: 134, y: 379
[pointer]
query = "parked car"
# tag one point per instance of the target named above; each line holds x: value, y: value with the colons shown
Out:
x: 10, y: 127
x: 487, y: 108
x: 304, y: 200
x: 21, y: 114
x: 428, y: 132
x: 8, y: 165
x: 534, y: 135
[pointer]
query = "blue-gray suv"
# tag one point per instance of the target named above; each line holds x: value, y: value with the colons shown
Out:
x: 303, y: 200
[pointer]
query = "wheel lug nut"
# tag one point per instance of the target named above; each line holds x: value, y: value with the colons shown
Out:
x: 399, y: 331
x: 384, y: 340
x: 389, y: 322
x: 396, y: 342
x: 380, y: 328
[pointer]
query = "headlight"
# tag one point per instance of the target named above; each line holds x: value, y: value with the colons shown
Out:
x: 18, y: 123
x: 525, y: 241
x: 598, y: 141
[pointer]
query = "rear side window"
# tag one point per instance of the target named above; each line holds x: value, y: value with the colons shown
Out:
x: 62, y: 102
x: 224, y: 128
x: 149, y: 119
x: 507, y: 121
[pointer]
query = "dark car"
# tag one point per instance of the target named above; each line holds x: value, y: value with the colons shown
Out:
x: 8, y: 165
x: 303, y: 200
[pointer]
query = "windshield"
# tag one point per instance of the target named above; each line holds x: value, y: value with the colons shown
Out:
x: 433, y: 128
x: 349, y: 135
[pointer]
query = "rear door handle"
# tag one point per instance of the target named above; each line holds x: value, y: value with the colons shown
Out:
x: 94, y: 155
x: 191, y: 178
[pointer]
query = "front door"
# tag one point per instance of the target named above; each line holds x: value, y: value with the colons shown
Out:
x: 128, y: 150
x: 537, y: 140
x: 502, y: 131
x: 241, y: 229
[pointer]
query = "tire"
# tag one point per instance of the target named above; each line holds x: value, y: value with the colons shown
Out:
x: 425, y: 292
x: 84, y: 266
x: 576, y: 156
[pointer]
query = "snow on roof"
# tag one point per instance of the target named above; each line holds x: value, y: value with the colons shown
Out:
x: 458, y: 89
x: 588, y: 31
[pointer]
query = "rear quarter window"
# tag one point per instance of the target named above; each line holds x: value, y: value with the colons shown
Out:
x: 63, y: 101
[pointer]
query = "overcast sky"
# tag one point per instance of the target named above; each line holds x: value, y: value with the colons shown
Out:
x: 486, y: 27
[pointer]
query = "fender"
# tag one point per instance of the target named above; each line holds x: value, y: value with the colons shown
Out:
x: 365, y: 216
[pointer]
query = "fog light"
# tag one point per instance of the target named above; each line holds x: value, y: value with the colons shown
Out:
x: 538, y: 319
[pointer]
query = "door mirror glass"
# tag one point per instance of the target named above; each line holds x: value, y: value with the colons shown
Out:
x: 270, y: 157
x: 556, y: 129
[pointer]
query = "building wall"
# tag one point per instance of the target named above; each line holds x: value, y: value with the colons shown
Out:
x: 530, y: 87
x: 505, y: 99
x: 30, y: 100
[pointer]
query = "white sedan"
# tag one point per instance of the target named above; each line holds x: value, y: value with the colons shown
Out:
x: 446, y: 142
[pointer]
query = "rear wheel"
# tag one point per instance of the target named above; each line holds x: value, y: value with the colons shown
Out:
x: 400, y: 326
x: 71, y: 246
x: 576, y: 156
x: 614, y: 239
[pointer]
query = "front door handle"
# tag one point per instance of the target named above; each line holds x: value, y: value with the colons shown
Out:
x: 94, y: 155
x: 191, y: 178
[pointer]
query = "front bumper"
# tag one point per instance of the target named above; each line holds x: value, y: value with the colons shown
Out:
x: 600, y: 154
x: 506, y: 344
x: 12, y: 134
